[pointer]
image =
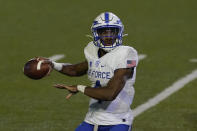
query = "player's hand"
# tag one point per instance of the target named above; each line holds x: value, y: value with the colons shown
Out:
x: 72, y: 89
x: 41, y: 58
x: 47, y: 61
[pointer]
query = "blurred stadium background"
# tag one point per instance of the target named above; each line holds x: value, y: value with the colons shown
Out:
x: 164, y: 30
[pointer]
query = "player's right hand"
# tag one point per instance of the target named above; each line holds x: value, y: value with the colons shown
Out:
x: 47, y: 61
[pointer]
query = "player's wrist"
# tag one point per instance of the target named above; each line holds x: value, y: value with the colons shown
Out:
x: 57, y: 66
x: 81, y: 88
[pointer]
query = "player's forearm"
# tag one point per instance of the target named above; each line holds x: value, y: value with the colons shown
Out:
x: 114, y: 86
x: 71, y: 70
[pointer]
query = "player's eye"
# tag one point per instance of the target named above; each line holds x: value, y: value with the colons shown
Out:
x: 110, y: 30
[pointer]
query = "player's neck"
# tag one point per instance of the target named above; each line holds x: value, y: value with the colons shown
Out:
x: 101, y: 53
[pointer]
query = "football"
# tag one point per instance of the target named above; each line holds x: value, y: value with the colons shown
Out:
x: 36, y: 69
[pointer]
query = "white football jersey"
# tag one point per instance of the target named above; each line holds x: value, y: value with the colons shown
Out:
x: 100, y: 71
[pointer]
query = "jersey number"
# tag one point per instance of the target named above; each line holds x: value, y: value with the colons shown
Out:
x: 98, y: 84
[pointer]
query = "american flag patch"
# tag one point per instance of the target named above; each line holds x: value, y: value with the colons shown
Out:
x: 131, y: 63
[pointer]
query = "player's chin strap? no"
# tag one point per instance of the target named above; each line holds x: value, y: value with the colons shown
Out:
x: 59, y: 66
x: 81, y: 88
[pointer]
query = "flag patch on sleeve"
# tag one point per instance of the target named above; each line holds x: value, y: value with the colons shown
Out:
x: 131, y: 63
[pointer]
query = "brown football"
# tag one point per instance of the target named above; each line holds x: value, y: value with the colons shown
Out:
x: 36, y: 69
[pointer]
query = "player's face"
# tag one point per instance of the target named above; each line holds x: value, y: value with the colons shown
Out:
x: 108, y: 35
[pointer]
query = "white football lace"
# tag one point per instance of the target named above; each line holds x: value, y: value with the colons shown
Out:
x: 39, y: 65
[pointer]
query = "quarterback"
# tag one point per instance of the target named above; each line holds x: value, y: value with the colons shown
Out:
x: 111, y: 67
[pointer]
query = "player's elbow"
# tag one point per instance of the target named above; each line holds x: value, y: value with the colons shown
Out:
x: 111, y: 97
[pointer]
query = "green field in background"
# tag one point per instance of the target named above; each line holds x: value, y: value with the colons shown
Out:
x: 164, y: 30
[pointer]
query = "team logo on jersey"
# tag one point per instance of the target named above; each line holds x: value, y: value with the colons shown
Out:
x: 131, y: 63
x: 97, y: 63
x: 90, y: 63
x: 102, y: 66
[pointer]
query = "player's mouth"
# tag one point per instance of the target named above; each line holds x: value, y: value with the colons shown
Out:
x: 108, y: 41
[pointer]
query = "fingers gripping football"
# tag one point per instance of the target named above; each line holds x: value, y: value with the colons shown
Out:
x: 38, y: 68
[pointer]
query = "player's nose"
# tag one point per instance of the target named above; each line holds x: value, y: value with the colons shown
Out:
x: 108, y: 33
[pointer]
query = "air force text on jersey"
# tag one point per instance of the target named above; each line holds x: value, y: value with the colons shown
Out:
x: 99, y: 74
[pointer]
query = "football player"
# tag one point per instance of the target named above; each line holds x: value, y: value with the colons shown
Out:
x: 111, y: 67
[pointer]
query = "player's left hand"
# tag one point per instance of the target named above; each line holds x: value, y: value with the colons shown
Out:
x: 72, y: 89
